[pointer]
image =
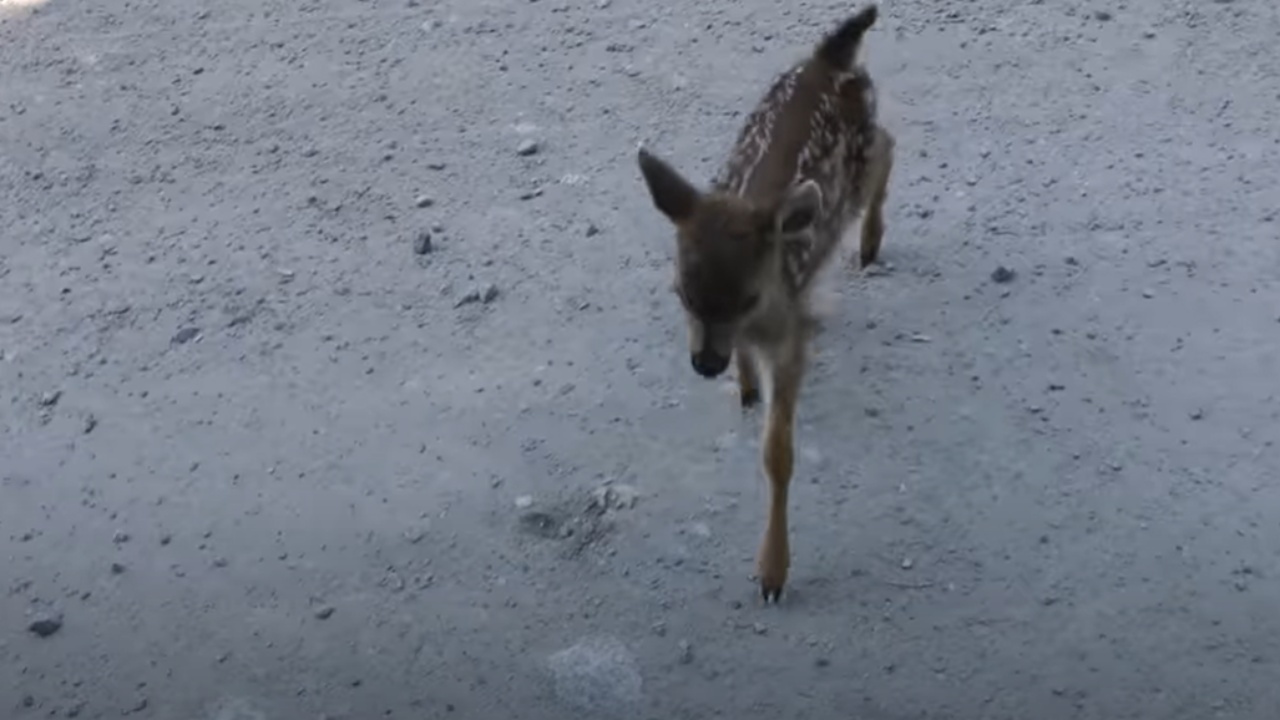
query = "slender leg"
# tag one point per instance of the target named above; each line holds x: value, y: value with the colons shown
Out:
x: 748, y: 379
x: 778, y: 457
x: 873, y: 224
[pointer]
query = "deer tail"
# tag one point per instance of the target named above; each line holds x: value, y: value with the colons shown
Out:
x: 839, y: 48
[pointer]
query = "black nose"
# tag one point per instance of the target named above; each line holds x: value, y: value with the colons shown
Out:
x: 709, y: 363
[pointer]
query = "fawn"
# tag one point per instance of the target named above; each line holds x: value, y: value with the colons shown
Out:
x: 810, y: 160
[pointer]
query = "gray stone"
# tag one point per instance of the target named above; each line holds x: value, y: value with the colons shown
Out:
x: 45, y: 623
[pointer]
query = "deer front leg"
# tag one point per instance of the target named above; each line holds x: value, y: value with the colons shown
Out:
x: 778, y: 457
x: 748, y: 378
x: 878, y: 180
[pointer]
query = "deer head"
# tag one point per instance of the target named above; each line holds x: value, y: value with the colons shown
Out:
x: 728, y: 254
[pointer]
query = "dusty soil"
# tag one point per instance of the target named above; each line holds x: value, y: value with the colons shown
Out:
x: 262, y: 459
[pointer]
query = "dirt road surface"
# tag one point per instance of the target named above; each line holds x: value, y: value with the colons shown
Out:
x: 340, y: 376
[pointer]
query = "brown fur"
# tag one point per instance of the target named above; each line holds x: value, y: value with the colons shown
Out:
x: 810, y: 160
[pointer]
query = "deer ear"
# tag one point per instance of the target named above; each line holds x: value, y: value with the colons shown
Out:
x: 671, y: 193
x: 799, y: 210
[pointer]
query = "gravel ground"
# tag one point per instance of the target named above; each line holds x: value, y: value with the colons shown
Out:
x: 340, y: 377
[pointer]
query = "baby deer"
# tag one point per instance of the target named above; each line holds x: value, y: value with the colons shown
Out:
x: 810, y: 161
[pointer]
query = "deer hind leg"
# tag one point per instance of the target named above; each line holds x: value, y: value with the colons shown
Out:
x: 878, y: 170
x: 778, y: 457
x: 748, y: 377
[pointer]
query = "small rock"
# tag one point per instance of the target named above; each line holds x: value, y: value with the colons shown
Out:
x: 908, y: 563
x: 592, y: 230
x: 219, y: 562
x: 28, y: 701
x: 524, y: 501
x: 615, y: 497
x: 119, y: 537
x: 821, y: 662
x: 117, y: 568
x: 138, y: 706
x: 185, y: 335
x: 486, y: 294
x: 45, y: 623
x: 90, y: 422
x: 759, y: 628
x: 1148, y: 293
x: 1197, y: 414
x: 424, y: 201
x: 686, y: 652
x: 597, y: 675
x: 324, y: 612
x: 1102, y: 15
x: 659, y: 628
x: 422, y: 243
x: 1002, y: 275
x: 50, y: 398
x: 165, y: 539
x: 527, y: 147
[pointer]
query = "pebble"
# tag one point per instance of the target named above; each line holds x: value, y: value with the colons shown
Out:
x: 422, y: 243
x: 90, y: 422
x: 524, y: 501
x: 615, y: 497
x: 1002, y: 275
x: 50, y: 398
x: 424, y: 201
x: 119, y: 536
x: 185, y: 335
x: 1103, y: 15
x: 597, y: 675
x: 46, y: 623
x: 324, y: 612
x: 686, y: 652
x: 592, y: 230
x: 908, y: 563
x: 485, y: 294
x: 117, y: 568
x: 1148, y: 293
x: 527, y: 147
